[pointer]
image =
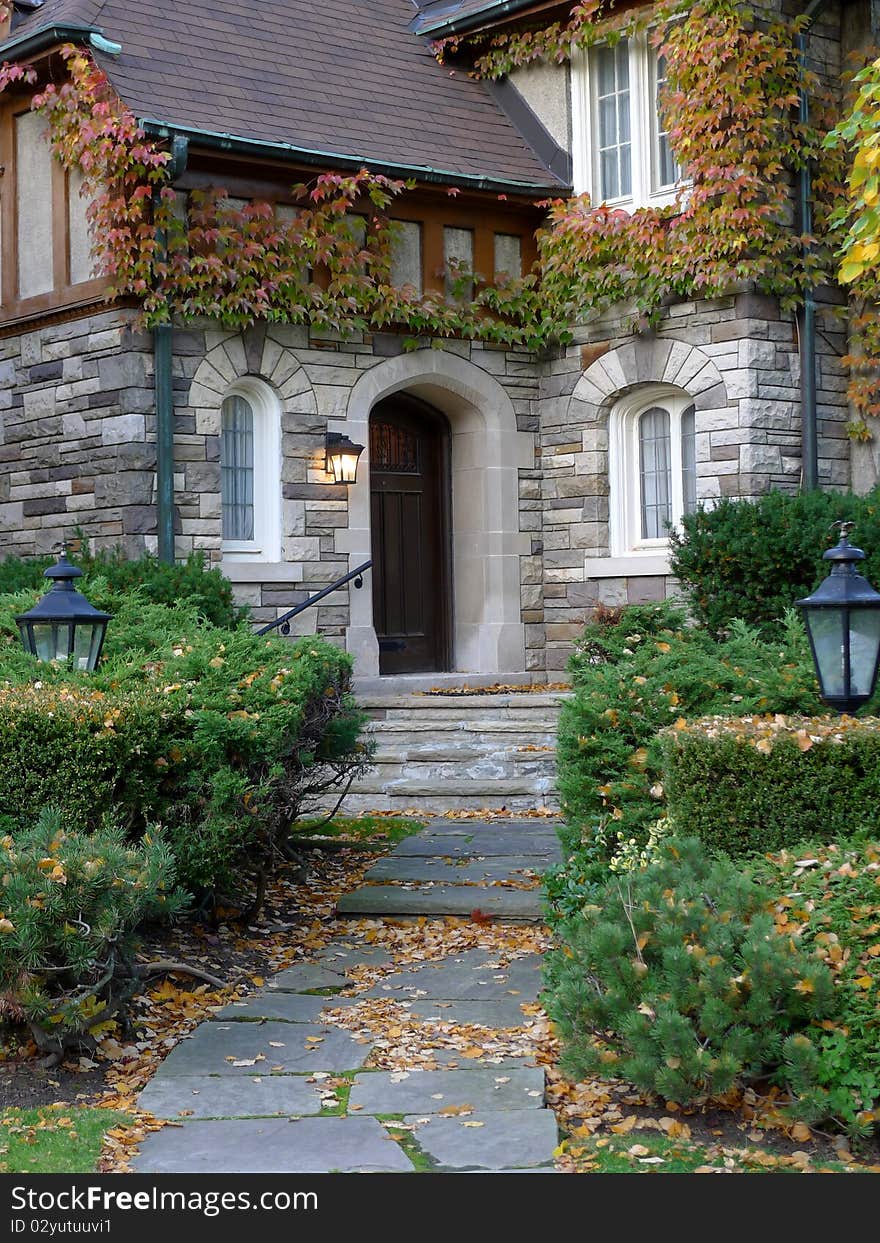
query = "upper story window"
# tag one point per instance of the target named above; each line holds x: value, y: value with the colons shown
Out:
x: 46, y: 243
x: 250, y: 472
x: 621, y: 152
x: 653, y: 464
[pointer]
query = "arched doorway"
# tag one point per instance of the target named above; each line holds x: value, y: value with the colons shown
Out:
x: 410, y: 535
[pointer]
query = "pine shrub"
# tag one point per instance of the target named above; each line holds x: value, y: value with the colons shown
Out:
x: 752, y: 559
x: 756, y: 784
x: 677, y: 980
x: 69, y: 905
x: 634, y: 674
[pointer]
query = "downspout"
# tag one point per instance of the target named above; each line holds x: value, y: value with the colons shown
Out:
x: 807, y: 313
x: 163, y: 353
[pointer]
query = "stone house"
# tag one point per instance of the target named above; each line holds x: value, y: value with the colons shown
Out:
x: 500, y: 495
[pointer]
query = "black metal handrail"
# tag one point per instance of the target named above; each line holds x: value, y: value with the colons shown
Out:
x: 283, y: 623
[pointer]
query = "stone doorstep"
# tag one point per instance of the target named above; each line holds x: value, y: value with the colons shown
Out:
x: 432, y: 1091
x: 282, y: 1146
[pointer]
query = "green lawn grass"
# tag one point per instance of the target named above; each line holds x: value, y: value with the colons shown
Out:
x: 54, y: 1140
x: 378, y: 829
x: 655, y: 1154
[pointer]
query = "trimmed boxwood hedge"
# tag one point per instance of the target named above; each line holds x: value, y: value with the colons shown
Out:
x: 762, y: 783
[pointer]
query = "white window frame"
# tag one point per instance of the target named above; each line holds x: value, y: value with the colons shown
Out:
x: 644, y: 129
x: 266, y: 544
x: 625, y: 502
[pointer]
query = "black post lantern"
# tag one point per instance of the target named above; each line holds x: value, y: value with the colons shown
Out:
x: 341, y: 460
x: 842, y: 617
x: 63, y: 625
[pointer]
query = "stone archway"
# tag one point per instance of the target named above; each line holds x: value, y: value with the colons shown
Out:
x: 267, y: 355
x: 487, y: 453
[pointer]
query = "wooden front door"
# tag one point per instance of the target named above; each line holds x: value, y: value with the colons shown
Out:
x: 409, y: 484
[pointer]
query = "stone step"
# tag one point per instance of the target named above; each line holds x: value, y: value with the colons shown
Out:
x: 481, y: 727
x: 359, y: 804
x: 459, y: 748
x: 437, y: 768
x: 442, y: 703
x: 428, y: 785
x: 463, y: 718
x: 442, y: 752
x: 517, y: 905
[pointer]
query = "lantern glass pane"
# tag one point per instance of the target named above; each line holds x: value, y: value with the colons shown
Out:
x: 86, y: 645
x: 826, y: 631
x: 864, y: 645
x: 52, y: 640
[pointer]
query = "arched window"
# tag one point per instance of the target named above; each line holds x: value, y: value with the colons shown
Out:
x: 653, y: 463
x: 250, y: 472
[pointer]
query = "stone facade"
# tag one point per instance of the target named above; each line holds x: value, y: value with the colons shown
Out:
x: 533, y: 488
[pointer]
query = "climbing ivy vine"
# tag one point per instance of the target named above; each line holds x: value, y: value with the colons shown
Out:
x: 858, y: 215
x: 730, y: 110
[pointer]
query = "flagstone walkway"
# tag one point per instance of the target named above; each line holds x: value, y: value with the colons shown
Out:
x: 290, y: 1080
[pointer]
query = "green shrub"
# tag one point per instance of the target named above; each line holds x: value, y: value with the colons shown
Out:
x: 756, y: 784
x: 19, y: 574
x: 69, y: 904
x: 827, y: 895
x: 752, y: 559
x: 190, y: 581
x: 223, y: 737
x: 632, y: 677
x: 677, y: 981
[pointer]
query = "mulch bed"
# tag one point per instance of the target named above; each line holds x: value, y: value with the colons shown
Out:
x: 298, y: 917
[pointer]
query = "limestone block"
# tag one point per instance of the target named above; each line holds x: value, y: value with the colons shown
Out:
x: 120, y: 428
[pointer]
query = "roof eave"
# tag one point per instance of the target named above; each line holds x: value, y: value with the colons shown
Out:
x: 37, y: 41
x: 304, y: 155
x: 470, y: 21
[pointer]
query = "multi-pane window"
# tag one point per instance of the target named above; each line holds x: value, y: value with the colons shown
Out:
x: 655, y: 472
x: 610, y: 70
x: 664, y: 170
x: 237, y: 469
x: 621, y: 149
x: 653, y: 467
x: 250, y: 472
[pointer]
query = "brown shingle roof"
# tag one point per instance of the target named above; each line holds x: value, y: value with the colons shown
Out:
x: 344, y: 77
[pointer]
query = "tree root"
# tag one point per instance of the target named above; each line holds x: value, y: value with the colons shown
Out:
x: 166, y: 966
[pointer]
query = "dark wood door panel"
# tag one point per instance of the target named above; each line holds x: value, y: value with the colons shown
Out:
x: 409, y: 540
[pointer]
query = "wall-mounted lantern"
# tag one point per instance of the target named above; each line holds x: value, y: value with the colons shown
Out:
x: 342, y: 458
x: 63, y: 625
x: 842, y: 618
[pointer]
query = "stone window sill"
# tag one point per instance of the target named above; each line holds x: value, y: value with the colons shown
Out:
x: 632, y: 565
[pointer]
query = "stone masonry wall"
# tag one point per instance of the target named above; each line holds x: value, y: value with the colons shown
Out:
x: 77, y: 437
x: 78, y: 432
x: 737, y: 357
